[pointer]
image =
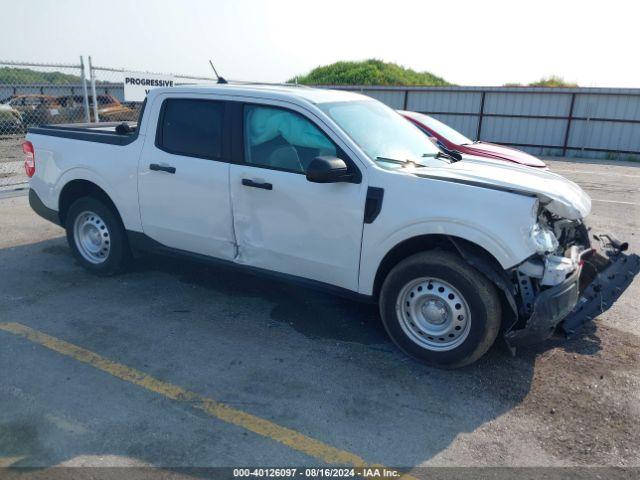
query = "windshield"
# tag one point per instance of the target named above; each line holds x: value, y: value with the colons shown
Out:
x: 380, y: 131
x: 442, y: 129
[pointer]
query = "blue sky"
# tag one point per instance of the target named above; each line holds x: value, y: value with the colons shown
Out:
x: 484, y: 42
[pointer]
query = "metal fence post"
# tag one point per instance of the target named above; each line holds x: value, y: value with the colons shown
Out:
x: 480, y: 116
x: 568, y: 129
x: 92, y: 76
x: 85, y: 92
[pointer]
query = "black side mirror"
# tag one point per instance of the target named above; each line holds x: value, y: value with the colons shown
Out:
x: 328, y: 170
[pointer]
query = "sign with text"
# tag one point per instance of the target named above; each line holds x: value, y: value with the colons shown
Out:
x: 137, y: 85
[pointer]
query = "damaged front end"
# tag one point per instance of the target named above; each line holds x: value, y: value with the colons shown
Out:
x: 569, y: 281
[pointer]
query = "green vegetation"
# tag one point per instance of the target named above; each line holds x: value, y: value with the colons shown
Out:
x: 552, y: 81
x: 368, y: 72
x: 21, y: 76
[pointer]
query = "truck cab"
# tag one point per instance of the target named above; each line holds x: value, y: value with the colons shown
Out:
x: 328, y: 188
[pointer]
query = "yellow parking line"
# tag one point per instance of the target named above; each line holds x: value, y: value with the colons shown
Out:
x: 291, y: 438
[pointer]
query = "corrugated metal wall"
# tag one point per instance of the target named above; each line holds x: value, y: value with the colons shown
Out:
x: 585, y: 122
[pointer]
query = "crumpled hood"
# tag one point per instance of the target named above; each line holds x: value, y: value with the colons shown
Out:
x: 559, y: 195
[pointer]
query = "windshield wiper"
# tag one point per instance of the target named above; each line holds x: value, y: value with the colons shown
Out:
x: 449, y: 156
x: 400, y: 162
x: 443, y: 155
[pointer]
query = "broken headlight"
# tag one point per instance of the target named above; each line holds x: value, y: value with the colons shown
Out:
x: 543, y: 239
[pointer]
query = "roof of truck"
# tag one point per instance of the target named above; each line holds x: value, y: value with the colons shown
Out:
x: 312, y: 95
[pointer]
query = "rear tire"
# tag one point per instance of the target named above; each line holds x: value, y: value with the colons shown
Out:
x: 96, y: 236
x: 439, y: 309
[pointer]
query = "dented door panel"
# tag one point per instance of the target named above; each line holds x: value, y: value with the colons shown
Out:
x: 297, y: 227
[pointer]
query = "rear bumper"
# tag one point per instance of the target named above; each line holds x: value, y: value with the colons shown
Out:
x: 588, y: 292
x: 42, y: 210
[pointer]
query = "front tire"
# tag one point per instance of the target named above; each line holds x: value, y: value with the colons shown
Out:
x: 439, y: 309
x: 96, y: 236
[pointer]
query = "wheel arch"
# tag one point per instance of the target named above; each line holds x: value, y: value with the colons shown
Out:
x: 82, y: 188
x: 474, y: 254
x: 406, y: 248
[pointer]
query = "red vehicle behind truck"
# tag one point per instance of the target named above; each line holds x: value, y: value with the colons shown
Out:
x: 451, y: 140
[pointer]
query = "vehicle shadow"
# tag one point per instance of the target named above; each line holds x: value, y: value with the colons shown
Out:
x: 304, y: 359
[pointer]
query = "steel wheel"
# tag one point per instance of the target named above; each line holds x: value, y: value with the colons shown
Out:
x: 433, y: 314
x: 92, y: 237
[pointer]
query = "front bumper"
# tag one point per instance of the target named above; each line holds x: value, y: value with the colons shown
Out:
x: 598, y: 295
x: 550, y: 308
x: 589, y: 291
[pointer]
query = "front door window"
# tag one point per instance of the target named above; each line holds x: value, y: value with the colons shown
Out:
x: 282, y: 140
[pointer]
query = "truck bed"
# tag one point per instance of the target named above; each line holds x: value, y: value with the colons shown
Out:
x: 104, y: 132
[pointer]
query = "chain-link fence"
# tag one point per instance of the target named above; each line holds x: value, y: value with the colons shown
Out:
x: 33, y: 94
x: 108, y: 88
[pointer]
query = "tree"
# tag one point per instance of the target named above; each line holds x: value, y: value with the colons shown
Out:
x: 25, y: 76
x: 552, y: 81
x: 368, y: 72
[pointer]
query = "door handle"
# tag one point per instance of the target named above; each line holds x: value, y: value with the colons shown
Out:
x: 250, y: 183
x: 162, y: 168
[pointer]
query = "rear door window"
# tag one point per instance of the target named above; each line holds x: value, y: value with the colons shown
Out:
x: 191, y: 127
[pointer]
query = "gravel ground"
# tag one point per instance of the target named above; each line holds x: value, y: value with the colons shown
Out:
x: 11, y: 162
x: 303, y: 359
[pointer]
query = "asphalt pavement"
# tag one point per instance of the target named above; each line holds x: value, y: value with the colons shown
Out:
x: 178, y: 364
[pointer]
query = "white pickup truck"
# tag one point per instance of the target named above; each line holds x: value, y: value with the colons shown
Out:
x: 337, y: 190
